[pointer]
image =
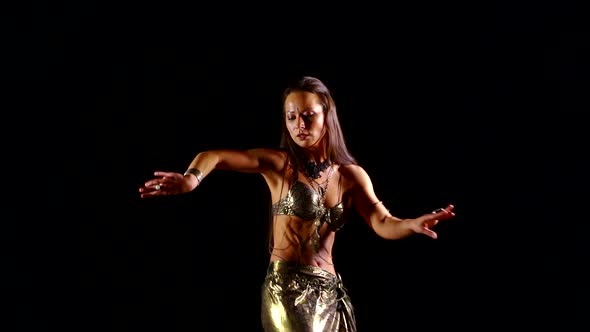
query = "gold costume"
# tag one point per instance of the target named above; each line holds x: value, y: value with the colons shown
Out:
x: 305, y: 298
x: 307, y: 203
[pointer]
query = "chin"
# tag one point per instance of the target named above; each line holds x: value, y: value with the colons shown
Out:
x: 303, y: 144
x: 309, y: 146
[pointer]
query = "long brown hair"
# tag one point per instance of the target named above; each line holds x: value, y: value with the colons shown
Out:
x: 335, y: 145
x: 336, y: 149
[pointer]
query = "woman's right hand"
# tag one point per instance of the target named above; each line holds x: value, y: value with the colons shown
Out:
x: 168, y: 183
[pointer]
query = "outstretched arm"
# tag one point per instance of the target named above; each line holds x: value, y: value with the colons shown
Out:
x: 251, y: 161
x: 381, y: 220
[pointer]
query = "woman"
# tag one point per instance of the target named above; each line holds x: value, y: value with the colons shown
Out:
x: 315, y: 184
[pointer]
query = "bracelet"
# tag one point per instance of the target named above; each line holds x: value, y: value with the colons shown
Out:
x: 195, y: 172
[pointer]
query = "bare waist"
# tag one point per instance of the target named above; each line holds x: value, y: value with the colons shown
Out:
x: 281, y: 266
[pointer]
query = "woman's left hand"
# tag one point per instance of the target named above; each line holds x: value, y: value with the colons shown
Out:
x: 423, y: 224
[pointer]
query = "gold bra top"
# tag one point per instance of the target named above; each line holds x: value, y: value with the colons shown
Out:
x: 304, y: 202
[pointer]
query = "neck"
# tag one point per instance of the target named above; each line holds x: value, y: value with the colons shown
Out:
x: 316, y: 155
x: 318, y: 151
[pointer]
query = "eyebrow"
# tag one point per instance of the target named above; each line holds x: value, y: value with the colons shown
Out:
x: 301, y: 110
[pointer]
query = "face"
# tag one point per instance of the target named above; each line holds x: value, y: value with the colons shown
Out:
x: 304, y: 118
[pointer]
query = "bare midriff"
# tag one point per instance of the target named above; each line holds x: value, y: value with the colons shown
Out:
x: 291, y: 236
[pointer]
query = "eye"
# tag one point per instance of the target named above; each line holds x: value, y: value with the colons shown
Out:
x: 290, y: 117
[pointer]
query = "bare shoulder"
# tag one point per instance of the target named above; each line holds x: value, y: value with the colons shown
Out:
x: 353, y: 172
x: 353, y: 175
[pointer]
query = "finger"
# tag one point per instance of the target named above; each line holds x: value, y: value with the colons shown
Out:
x: 164, y: 174
x: 152, y: 182
x: 155, y: 182
x: 149, y: 194
x: 152, y: 186
x: 443, y: 215
x: 430, y: 233
x: 440, y: 212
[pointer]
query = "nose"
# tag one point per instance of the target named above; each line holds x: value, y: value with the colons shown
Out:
x: 301, y: 124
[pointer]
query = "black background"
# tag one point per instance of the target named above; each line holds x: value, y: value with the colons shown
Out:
x: 481, y: 106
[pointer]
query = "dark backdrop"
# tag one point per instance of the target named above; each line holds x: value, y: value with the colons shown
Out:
x: 480, y: 106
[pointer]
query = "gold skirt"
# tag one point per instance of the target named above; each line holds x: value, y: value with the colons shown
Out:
x: 305, y: 298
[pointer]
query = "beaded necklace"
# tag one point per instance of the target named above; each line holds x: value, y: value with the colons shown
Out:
x: 320, y: 189
x: 313, y: 170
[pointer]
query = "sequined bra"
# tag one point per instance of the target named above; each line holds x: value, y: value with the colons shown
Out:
x: 302, y: 201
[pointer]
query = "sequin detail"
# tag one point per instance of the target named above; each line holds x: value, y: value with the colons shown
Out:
x: 304, y: 202
x: 299, y: 298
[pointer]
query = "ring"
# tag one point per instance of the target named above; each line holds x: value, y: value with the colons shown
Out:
x: 438, y: 210
x: 157, y: 187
